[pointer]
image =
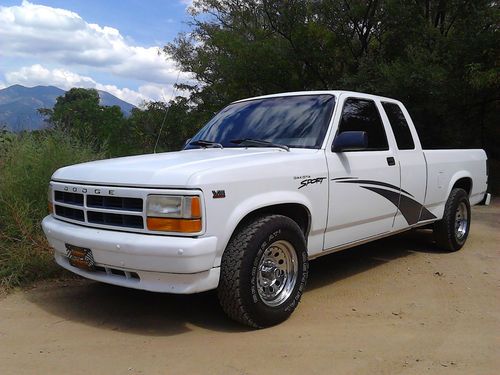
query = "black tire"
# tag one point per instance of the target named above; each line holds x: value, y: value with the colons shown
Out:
x: 445, y: 230
x: 238, y: 289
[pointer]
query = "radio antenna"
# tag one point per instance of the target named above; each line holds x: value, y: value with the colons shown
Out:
x: 166, y: 111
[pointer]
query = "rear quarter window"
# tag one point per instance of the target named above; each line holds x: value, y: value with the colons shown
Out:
x: 399, y: 126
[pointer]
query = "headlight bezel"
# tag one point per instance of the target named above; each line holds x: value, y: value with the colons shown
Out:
x: 174, y: 206
x: 174, y: 213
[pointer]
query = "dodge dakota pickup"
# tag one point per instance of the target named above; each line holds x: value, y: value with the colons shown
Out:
x: 265, y: 186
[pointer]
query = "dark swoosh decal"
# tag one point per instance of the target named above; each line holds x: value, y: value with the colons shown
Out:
x: 343, y: 178
x: 426, y: 214
x: 412, y: 210
x: 378, y: 183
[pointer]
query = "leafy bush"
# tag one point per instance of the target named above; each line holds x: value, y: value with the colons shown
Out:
x: 27, y: 162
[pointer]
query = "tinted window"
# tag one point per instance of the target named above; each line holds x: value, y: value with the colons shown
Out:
x: 363, y: 115
x: 295, y: 121
x: 399, y: 126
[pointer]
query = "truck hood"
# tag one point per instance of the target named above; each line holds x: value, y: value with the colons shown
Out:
x: 171, y: 169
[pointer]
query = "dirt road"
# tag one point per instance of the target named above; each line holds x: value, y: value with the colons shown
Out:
x: 397, y: 306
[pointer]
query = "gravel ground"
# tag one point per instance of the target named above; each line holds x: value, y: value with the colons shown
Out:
x: 396, y: 306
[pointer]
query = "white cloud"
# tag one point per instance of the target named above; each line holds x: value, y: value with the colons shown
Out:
x: 38, y: 75
x: 131, y: 96
x: 63, y: 37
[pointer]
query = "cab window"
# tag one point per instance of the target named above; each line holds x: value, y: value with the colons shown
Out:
x: 363, y: 115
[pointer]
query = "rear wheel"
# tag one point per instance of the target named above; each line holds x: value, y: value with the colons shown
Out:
x: 263, y: 271
x: 451, y: 232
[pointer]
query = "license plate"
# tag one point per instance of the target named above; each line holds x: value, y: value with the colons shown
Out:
x: 80, y: 257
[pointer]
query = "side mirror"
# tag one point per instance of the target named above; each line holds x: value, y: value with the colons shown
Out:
x: 350, y: 141
x: 186, y: 143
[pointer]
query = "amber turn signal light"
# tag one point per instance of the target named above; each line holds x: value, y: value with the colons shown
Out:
x: 174, y: 225
x: 195, y: 207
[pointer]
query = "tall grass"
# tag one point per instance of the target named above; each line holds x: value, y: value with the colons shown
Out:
x: 27, y: 162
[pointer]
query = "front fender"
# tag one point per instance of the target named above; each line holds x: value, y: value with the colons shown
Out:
x: 255, y: 203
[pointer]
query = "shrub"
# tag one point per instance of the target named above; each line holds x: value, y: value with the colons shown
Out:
x: 26, y: 165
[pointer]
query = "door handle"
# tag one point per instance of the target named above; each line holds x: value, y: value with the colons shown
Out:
x: 391, y: 161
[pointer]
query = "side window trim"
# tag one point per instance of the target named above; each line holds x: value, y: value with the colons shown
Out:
x: 345, y: 99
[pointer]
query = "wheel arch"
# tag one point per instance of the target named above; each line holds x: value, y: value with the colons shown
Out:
x: 297, y: 207
x: 295, y: 211
x: 461, y: 180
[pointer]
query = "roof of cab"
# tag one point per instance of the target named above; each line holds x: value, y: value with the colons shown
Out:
x: 317, y: 92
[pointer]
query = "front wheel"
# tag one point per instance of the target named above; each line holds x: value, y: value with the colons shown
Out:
x: 452, y: 230
x: 263, y: 271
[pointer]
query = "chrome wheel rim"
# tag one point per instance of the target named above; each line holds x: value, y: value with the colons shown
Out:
x: 461, y: 221
x: 277, y: 273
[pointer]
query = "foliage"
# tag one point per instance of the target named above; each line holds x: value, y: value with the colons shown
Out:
x: 78, y: 113
x: 439, y: 57
x: 6, y: 139
x: 26, y: 164
x: 171, y: 124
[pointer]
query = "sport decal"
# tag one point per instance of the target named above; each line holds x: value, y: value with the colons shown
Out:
x: 311, y: 181
x: 412, y: 211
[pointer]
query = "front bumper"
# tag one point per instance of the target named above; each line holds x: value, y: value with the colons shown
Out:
x: 162, y: 263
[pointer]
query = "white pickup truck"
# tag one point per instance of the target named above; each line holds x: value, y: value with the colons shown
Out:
x: 266, y: 185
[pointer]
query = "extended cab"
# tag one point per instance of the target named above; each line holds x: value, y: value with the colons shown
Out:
x: 268, y: 184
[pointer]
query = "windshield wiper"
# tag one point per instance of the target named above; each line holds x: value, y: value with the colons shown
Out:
x: 206, y: 144
x: 258, y: 142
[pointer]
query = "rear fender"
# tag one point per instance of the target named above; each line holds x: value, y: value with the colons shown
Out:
x: 457, y: 176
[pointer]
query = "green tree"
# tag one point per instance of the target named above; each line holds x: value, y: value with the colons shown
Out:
x: 78, y: 112
x: 439, y: 57
x: 168, y: 124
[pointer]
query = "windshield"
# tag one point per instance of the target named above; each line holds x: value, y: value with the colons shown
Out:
x: 294, y: 121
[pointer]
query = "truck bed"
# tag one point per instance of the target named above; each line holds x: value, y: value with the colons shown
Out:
x: 446, y: 167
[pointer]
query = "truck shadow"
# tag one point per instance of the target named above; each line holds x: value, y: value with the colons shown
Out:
x: 343, y: 264
x: 132, y: 311
x: 153, y: 314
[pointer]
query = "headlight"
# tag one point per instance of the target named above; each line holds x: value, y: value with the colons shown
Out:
x: 50, y: 194
x: 171, y: 213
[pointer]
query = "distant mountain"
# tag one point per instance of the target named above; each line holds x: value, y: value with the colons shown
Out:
x: 19, y: 104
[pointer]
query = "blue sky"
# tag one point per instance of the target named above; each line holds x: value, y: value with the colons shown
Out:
x: 110, y: 45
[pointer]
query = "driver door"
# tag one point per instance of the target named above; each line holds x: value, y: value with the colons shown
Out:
x: 364, y: 184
